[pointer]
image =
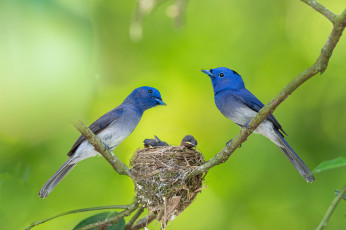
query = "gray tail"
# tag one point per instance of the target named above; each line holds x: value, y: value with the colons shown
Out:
x: 56, y: 178
x: 295, y: 159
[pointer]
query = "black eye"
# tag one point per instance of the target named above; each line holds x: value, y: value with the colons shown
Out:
x: 221, y: 75
x: 211, y: 70
x: 150, y: 91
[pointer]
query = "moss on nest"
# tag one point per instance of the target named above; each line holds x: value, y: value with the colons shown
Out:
x: 159, y: 176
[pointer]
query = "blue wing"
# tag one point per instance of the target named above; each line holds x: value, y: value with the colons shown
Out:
x: 99, y: 125
x: 246, y: 97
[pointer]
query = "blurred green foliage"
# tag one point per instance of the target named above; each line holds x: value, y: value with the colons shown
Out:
x: 62, y: 60
x: 331, y: 164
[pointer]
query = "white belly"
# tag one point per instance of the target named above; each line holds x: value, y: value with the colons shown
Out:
x: 266, y: 129
x: 111, y: 136
x: 243, y: 114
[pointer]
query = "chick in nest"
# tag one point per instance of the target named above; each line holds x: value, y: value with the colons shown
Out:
x: 151, y: 143
x: 189, y: 142
x: 161, y: 179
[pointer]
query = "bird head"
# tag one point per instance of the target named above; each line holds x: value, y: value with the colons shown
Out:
x: 223, y: 78
x: 145, y: 98
x: 149, y: 143
x: 189, y: 141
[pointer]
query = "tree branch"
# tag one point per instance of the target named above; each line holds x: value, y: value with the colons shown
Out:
x: 134, y: 218
x: 114, y: 219
x: 141, y: 223
x: 33, y: 224
x: 118, y: 165
x: 321, y: 9
x: 331, y: 209
x: 320, y: 65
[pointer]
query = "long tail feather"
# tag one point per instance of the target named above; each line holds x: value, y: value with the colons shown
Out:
x: 56, y: 178
x: 295, y: 159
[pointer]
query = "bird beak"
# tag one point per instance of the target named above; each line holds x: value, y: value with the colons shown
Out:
x: 210, y: 74
x: 194, y: 145
x: 159, y: 101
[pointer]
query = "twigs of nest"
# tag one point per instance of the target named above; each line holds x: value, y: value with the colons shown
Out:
x: 161, y: 182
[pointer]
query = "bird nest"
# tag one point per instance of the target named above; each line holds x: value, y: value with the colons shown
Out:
x: 161, y: 182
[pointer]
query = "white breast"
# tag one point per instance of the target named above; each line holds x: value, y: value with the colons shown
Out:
x: 241, y: 115
x: 112, y: 136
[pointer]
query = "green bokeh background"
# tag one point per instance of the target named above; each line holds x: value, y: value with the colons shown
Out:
x: 64, y: 60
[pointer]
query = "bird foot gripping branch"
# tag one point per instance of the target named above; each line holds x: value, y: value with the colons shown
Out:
x: 159, y: 174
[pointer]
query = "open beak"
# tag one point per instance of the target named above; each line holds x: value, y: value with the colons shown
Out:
x: 159, y: 101
x: 208, y: 72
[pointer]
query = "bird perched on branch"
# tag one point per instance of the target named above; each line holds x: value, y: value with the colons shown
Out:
x: 149, y: 143
x: 189, y: 142
x: 112, y: 128
x: 239, y: 105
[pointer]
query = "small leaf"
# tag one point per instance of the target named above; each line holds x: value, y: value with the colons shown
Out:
x: 326, y: 165
x: 100, y: 217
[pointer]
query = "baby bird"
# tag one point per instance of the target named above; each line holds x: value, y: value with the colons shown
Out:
x: 151, y: 143
x: 189, y: 142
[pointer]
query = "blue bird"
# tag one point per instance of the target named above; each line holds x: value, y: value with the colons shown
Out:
x: 112, y: 128
x: 239, y: 105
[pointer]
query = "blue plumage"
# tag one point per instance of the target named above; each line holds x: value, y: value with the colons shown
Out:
x: 239, y: 105
x: 112, y: 128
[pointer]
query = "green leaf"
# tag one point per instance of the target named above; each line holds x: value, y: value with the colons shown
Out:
x: 332, y: 164
x: 100, y: 217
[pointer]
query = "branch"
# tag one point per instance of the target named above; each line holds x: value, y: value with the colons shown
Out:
x: 331, y: 209
x: 319, y: 66
x: 33, y: 224
x: 321, y: 9
x: 118, y: 165
x: 141, y: 223
x: 114, y: 219
x: 134, y: 218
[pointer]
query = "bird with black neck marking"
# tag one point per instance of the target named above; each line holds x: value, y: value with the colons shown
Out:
x: 189, y: 142
x: 112, y: 128
x: 239, y: 105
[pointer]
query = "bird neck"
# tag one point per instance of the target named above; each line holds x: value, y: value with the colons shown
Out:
x: 220, y: 91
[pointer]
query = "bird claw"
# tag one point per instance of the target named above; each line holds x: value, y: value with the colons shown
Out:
x: 228, y: 144
x: 247, y: 124
x: 106, y: 146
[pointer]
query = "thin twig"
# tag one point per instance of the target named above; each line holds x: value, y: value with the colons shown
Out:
x: 141, y: 223
x: 33, y: 224
x: 320, y: 65
x: 321, y: 9
x: 134, y: 218
x: 116, y: 163
x: 114, y: 219
x: 331, y: 209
